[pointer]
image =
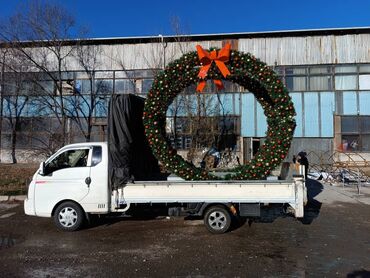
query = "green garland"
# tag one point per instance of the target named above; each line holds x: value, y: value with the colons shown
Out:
x: 246, y: 71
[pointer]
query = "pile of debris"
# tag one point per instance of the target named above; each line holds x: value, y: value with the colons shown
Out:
x: 339, y: 168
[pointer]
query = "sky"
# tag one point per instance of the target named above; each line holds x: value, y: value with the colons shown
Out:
x: 127, y: 18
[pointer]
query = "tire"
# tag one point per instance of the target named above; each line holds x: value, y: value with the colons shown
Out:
x: 217, y: 220
x: 69, y: 216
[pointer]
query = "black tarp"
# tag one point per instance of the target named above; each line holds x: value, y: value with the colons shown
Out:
x: 130, y: 157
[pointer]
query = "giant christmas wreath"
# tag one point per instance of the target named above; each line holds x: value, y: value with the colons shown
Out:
x: 225, y: 64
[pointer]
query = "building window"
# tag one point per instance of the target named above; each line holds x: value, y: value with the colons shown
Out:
x: 364, y: 69
x: 320, y: 69
x: 295, y: 83
x: 364, y: 82
x: 124, y: 86
x: 320, y: 83
x: 355, y: 133
x: 146, y: 85
x: 345, y: 69
x: 346, y: 82
x: 104, y: 86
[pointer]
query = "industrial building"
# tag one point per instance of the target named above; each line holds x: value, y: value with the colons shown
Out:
x: 327, y: 73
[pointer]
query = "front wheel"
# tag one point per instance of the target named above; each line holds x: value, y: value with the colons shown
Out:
x: 217, y: 220
x: 69, y: 216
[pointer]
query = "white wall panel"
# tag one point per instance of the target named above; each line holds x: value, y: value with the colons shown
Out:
x: 137, y: 56
x: 273, y: 51
x: 143, y: 56
x: 175, y: 50
x: 257, y: 47
x: 293, y: 50
x: 362, y: 43
x: 345, y: 49
x: 320, y: 50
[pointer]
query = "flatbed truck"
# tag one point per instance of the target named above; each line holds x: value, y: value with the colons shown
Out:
x: 72, y: 185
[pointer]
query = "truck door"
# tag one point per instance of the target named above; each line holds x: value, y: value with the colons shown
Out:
x: 97, y: 199
x: 66, y: 176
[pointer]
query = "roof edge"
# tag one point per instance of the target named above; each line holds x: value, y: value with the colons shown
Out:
x: 200, y: 37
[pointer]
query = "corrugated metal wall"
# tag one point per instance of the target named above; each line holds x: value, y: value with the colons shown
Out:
x: 310, y: 50
x: 280, y: 51
x: 146, y: 56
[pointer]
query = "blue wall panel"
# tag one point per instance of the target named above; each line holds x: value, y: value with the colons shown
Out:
x: 349, y: 103
x: 297, y: 101
x: 211, y: 103
x: 364, y: 98
x: 311, y: 114
x: 237, y: 103
x: 327, y: 106
x: 261, y: 121
x: 226, y: 105
x: 247, y: 115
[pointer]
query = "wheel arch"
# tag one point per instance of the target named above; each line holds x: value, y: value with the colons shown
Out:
x: 64, y: 201
x: 206, y: 206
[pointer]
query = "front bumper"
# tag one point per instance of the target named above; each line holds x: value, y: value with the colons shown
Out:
x: 29, y: 207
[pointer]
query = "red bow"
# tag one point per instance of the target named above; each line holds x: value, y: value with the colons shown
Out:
x: 206, y: 58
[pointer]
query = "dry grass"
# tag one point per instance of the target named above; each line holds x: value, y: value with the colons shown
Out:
x: 14, y: 178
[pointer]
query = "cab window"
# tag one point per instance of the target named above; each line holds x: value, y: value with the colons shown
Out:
x: 96, y: 156
x: 68, y: 159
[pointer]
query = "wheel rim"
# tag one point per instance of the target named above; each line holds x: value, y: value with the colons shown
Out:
x: 217, y: 220
x: 67, y: 217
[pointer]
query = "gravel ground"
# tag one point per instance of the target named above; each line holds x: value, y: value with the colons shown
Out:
x: 332, y: 241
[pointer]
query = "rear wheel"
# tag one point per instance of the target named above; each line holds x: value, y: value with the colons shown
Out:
x: 217, y: 219
x: 69, y: 216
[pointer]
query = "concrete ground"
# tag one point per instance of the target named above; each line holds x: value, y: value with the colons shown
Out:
x: 333, y: 240
x: 359, y: 194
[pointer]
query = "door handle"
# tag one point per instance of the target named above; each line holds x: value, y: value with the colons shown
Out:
x: 88, y: 181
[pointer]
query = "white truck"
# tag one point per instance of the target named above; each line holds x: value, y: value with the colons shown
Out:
x: 73, y: 184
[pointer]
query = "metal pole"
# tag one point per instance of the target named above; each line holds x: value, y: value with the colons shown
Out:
x: 164, y: 45
x: 2, y: 82
x: 358, y: 182
x: 342, y: 173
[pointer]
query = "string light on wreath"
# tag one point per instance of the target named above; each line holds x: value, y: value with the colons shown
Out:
x: 242, y: 68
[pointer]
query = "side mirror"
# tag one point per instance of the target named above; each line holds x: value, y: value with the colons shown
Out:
x: 42, y: 169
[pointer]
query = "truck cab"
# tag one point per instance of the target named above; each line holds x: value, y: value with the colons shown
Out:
x: 75, y: 174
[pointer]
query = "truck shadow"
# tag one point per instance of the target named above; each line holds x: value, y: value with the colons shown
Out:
x: 313, y: 207
x: 359, y: 274
x: 108, y: 220
x: 275, y: 211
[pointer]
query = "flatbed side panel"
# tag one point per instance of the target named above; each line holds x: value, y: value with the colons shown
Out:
x: 207, y: 192
x: 300, y: 197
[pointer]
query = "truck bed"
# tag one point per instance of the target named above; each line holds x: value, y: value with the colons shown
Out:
x: 289, y: 191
